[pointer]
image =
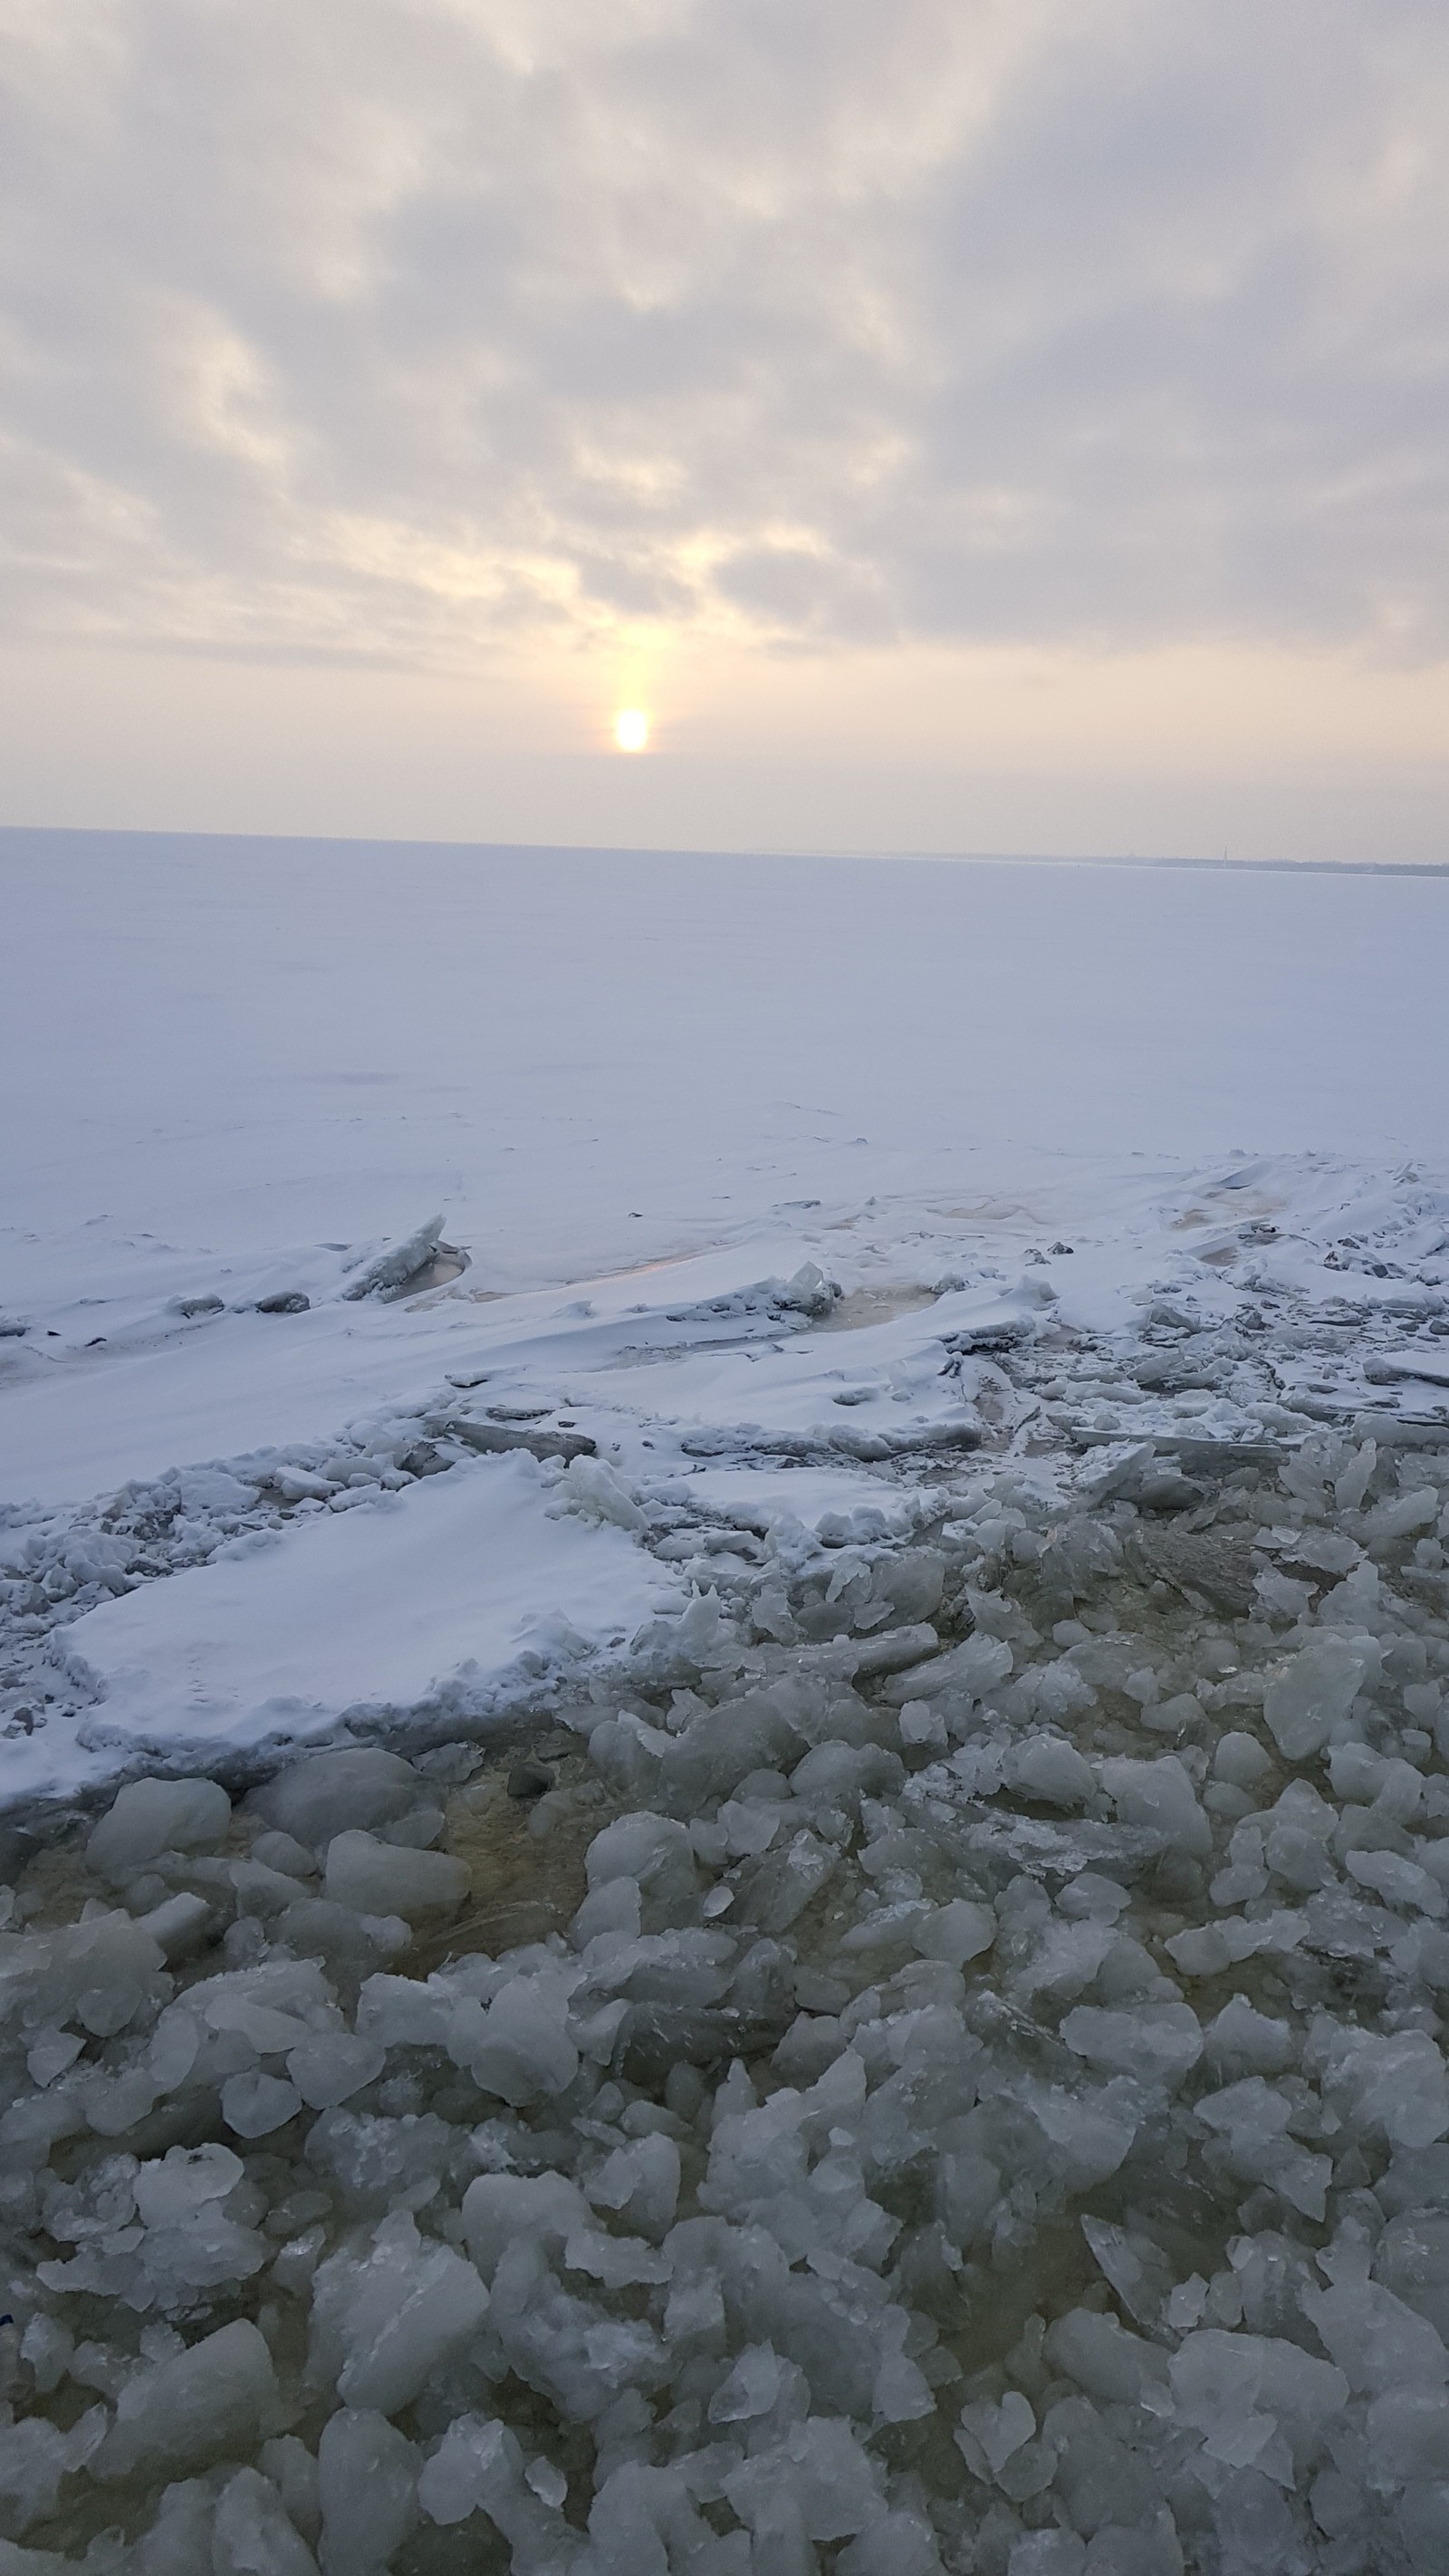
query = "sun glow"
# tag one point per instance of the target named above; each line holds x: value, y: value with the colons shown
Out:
x: 631, y: 729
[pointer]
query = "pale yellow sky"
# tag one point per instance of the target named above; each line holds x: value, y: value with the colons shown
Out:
x: 1184, y: 751
x: 955, y: 427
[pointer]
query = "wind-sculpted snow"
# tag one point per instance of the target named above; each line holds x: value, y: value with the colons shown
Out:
x: 977, y: 2103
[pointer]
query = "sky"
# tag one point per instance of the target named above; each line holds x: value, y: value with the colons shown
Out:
x: 1010, y: 425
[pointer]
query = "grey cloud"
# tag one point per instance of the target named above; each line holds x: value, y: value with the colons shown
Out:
x: 405, y: 330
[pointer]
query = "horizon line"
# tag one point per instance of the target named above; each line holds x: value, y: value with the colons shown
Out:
x: 661, y: 850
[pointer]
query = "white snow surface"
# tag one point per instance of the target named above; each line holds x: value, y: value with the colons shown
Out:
x: 645, y: 1093
x: 379, y: 1609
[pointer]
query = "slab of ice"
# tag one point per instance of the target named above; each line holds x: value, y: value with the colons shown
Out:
x: 445, y: 1588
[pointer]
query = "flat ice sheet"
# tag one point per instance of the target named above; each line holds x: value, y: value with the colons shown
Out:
x: 444, y: 1586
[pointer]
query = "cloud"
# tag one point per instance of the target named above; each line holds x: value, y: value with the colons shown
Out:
x: 414, y: 329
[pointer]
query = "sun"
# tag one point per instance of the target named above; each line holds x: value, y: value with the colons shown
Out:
x: 631, y: 729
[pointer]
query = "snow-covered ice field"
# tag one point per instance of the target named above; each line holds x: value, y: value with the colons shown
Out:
x: 632, y: 1087
x: 920, y: 1393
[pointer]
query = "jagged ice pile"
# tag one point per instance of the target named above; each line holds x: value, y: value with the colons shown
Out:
x: 987, y: 2113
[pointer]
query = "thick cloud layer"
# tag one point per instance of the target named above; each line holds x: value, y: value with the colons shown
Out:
x: 401, y: 329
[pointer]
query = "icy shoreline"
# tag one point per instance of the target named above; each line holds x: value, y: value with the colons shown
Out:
x: 940, y: 2064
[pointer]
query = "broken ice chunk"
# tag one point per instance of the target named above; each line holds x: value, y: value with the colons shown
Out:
x: 1244, y: 2042
x: 1255, y: 2399
x: 1407, y: 2431
x: 1137, y: 2269
x: 619, y: 2262
x: 613, y: 1908
x: 547, y: 2481
x: 99, y: 1972
x: 500, y: 2208
x: 640, y: 2182
x: 1353, y: 1481
x: 1397, y: 1881
x: 1308, y: 1696
x: 519, y: 2046
x: 153, y: 1816
x: 820, y: 2468
x: 284, y: 1854
x: 808, y: 1292
x: 473, y: 2467
x: 1377, y: 2341
x: 199, y: 2404
x: 385, y: 2314
x: 1402, y: 1515
x: 1161, y: 1796
x: 994, y: 2433
x: 591, y: 1489
x: 254, y: 2105
x: 972, y: 1668
x: 332, y: 2066
x: 923, y: 1724
x: 47, y: 2346
x: 386, y: 1878
x: 1160, y: 2043
x: 1085, y: 2136
x: 367, y: 2478
x: 1102, y: 2357
x: 756, y: 2386
x: 1049, y: 2553
x: 956, y: 1932
x: 1412, y: 2259
x: 34, y: 2457
x: 1049, y: 1768
x: 1089, y: 1893
x: 749, y: 1827
x: 1394, y: 2083
x: 252, y: 2531
x: 654, y: 1851
x: 1251, y: 2118
x: 786, y: 1882
x: 840, y: 1775
x: 887, y: 1926
x: 334, y: 1792
x: 1240, y: 1760
x: 401, y: 2012
x: 399, y: 1262
x: 51, y: 2052
x: 1062, y: 1958
x: 176, y: 2185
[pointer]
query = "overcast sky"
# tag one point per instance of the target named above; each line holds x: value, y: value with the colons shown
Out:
x: 1033, y: 412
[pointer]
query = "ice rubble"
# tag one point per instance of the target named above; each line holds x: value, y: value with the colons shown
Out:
x: 988, y: 2112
